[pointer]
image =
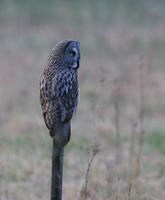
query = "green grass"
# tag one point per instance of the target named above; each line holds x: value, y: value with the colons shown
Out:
x: 78, y: 143
x: 25, y: 144
x: 156, y: 140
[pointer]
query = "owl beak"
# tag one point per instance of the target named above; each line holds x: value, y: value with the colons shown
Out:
x: 75, y: 65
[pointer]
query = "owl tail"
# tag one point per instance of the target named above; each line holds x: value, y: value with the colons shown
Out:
x: 61, y: 133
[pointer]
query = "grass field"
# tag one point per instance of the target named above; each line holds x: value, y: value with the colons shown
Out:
x: 122, y: 55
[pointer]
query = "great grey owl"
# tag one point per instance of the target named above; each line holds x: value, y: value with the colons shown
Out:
x: 59, y: 89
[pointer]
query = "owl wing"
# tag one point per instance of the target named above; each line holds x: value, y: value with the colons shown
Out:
x: 52, y: 108
x: 45, y: 101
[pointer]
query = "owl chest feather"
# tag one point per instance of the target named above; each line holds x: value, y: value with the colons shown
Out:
x: 65, y: 93
x: 64, y: 84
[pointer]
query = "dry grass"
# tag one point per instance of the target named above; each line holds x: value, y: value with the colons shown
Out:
x: 113, y: 36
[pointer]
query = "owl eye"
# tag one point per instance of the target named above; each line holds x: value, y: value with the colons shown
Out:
x: 72, y: 53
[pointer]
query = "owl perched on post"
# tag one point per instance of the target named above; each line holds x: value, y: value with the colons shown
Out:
x: 59, y: 89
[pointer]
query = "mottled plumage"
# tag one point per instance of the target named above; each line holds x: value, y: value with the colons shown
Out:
x: 59, y: 89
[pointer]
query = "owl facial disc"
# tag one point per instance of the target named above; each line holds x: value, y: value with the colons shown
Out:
x: 73, y: 54
x: 76, y: 58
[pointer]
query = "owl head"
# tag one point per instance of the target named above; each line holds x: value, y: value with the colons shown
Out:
x: 66, y: 54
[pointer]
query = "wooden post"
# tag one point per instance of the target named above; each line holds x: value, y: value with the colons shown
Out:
x: 57, y: 172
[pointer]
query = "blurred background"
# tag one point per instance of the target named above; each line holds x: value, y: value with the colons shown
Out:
x: 122, y: 105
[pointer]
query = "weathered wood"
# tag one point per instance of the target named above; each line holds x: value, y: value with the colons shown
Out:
x: 57, y: 172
